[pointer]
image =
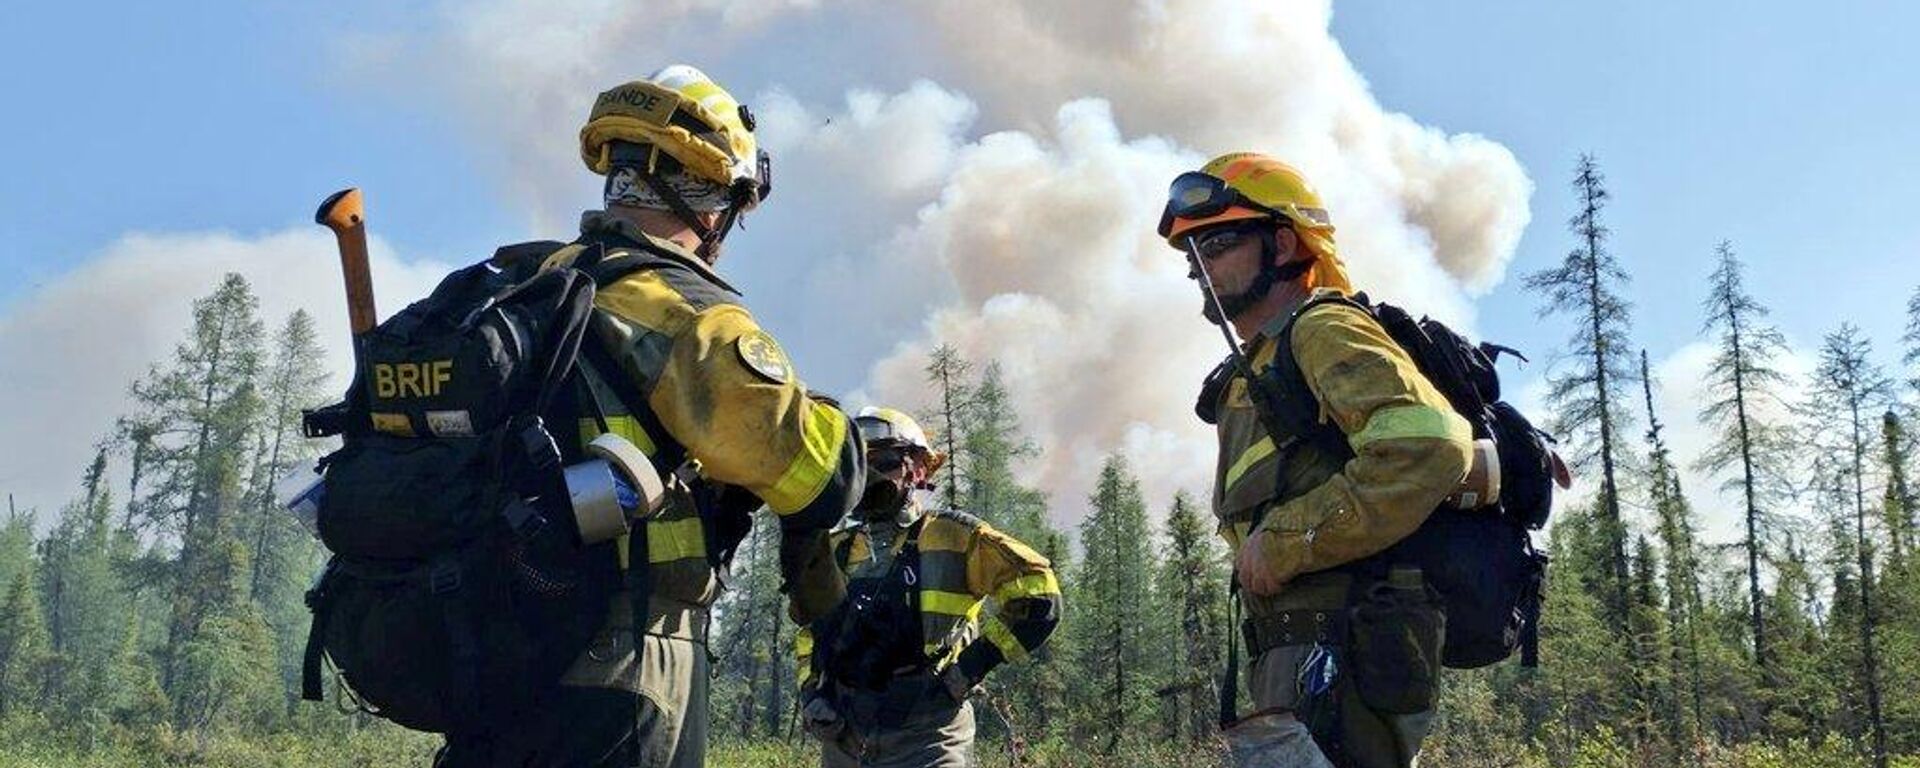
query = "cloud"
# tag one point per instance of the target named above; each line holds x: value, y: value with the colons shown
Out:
x: 75, y: 345
x: 1003, y: 203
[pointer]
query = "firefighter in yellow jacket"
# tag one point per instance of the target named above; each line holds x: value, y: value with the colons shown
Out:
x: 698, y: 386
x: 1303, y: 514
x: 885, y: 679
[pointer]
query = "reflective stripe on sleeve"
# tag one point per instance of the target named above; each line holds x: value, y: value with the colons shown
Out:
x: 1411, y: 421
x: 949, y: 603
x: 1031, y: 585
x: 825, y: 431
x: 1002, y: 638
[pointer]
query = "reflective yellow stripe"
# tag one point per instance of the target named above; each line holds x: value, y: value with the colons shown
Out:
x: 1031, y: 585
x: 624, y: 426
x: 1409, y: 421
x: 1002, y: 638
x: 1258, y: 451
x: 803, y: 652
x: 825, y: 433
x: 949, y: 603
x: 669, y: 540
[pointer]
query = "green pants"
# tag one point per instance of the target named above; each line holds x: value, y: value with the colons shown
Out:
x: 1277, y: 739
x: 611, y: 712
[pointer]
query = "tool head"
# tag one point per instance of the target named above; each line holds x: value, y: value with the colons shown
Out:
x: 341, y: 210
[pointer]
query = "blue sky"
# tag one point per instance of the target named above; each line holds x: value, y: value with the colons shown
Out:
x: 1785, y: 129
x: 1789, y: 130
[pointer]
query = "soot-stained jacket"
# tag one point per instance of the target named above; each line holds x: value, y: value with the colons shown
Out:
x: 963, y: 562
x: 717, y: 390
x: 1406, y: 450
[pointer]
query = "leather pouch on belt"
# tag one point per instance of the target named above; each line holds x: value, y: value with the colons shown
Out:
x: 1396, y: 632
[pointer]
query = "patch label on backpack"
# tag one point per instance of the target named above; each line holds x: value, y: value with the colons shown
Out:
x: 763, y: 356
x: 392, y: 424
x: 450, y: 423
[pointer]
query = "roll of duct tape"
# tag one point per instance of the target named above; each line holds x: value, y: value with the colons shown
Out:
x: 632, y: 464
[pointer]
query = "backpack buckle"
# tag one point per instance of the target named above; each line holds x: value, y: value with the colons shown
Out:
x: 523, y: 520
x: 537, y: 443
x: 443, y: 577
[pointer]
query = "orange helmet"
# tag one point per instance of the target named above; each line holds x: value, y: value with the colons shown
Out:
x: 1247, y: 185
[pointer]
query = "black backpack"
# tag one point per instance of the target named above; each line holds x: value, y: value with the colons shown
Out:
x: 1481, y: 561
x: 458, y: 589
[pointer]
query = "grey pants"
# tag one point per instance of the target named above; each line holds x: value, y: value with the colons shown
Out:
x: 941, y: 737
x: 667, y: 725
x: 1277, y: 739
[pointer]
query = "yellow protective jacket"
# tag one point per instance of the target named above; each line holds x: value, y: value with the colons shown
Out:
x: 963, y: 562
x: 718, y: 392
x: 1408, y: 451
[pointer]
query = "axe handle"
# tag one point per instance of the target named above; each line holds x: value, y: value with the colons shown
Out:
x: 345, y: 214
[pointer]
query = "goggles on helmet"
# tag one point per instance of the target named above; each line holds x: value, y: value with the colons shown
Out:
x: 886, y: 459
x: 1196, y: 195
x: 877, y: 431
x: 763, y: 183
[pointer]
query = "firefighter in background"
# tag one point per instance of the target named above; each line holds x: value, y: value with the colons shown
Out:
x: 885, y: 679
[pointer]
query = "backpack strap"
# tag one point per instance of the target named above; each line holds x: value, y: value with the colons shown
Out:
x: 1299, y: 408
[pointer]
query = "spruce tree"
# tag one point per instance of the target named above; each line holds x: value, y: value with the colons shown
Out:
x: 755, y: 667
x: 1898, y: 500
x: 83, y: 597
x: 1586, y: 400
x: 283, y: 554
x: 16, y: 542
x: 1115, y: 590
x: 23, y: 645
x: 1910, y: 341
x: 191, y: 425
x: 1743, y: 386
x: 1848, y: 388
x: 947, y: 371
x: 1681, y: 567
x: 1194, y: 580
x: 1658, y: 709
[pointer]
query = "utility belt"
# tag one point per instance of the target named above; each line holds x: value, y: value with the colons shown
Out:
x: 1297, y: 627
x: 1387, y: 640
x: 912, y: 696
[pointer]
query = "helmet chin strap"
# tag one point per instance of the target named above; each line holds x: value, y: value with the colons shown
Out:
x: 1271, y: 274
x: 710, y: 237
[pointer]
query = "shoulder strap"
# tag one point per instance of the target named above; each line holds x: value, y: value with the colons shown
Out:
x: 1299, y: 408
x: 615, y: 263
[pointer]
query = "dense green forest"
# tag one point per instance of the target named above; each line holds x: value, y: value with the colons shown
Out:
x: 157, y: 617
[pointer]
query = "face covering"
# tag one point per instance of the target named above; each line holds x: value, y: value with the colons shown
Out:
x: 883, y: 496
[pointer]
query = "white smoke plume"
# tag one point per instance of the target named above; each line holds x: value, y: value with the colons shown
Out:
x: 73, y: 347
x: 1006, y: 203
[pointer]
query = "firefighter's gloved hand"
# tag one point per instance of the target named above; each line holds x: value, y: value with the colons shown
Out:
x: 957, y: 684
x: 820, y: 719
